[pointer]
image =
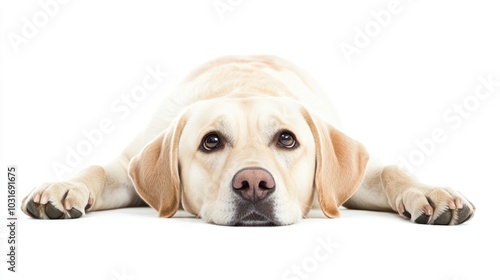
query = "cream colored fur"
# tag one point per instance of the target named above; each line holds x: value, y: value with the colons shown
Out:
x: 248, y: 101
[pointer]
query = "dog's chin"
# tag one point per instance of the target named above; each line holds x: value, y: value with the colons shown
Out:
x: 243, y: 213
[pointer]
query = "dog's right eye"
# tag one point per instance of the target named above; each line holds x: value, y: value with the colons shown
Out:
x: 211, y: 142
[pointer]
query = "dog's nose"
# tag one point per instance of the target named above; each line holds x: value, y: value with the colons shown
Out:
x: 253, y: 184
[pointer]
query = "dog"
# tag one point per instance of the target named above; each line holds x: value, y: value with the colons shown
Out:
x: 249, y: 141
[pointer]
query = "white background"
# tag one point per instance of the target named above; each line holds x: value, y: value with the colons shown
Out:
x: 394, y: 91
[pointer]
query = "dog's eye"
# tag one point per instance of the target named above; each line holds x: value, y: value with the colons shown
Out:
x: 211, y: 142
x: 287, y: 140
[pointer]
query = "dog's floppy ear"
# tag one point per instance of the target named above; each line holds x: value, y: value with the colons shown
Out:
x: 155, y: 171
x: 340, y: 165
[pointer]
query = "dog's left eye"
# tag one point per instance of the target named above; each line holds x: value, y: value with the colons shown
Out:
x: 211, y: 142
x: 287, y: 140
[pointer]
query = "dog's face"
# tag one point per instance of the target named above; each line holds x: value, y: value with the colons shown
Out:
x: 248, y: 160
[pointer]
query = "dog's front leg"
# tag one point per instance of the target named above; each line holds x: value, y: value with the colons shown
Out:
x: 94, y: 188
x: 390, y: 188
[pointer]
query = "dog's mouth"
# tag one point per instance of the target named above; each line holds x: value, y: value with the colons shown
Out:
x: 260, y: 214
x: 255, y: 218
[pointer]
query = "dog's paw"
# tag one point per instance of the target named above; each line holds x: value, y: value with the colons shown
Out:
x: 60, y: 200
x: 435, y: 206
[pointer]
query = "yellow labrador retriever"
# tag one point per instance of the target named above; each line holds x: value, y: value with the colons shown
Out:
x: 247, y: 141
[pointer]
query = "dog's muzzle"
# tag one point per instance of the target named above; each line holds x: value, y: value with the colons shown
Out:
x: 255, y: 206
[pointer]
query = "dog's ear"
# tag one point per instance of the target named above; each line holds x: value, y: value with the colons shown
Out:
x: 340, y: 165
x: 155, y: 171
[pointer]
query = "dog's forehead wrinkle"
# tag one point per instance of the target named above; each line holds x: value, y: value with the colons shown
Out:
x: 253, y: 110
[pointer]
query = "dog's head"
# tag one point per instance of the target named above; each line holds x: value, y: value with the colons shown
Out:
x: 248, y: 161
